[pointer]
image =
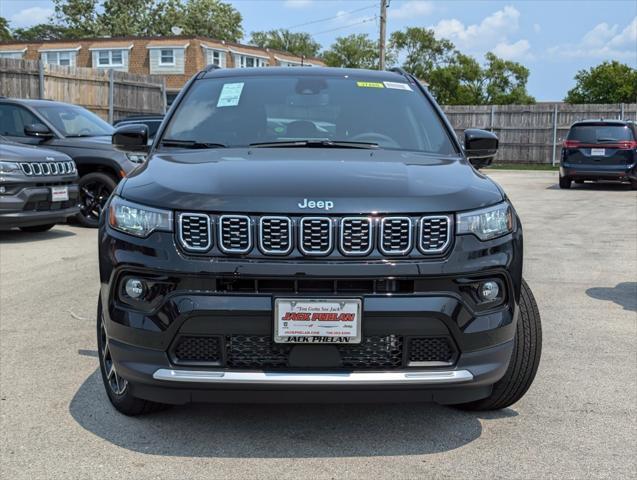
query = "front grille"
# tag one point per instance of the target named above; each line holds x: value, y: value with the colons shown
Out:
x: 356, y: 235
x: 195, y: 232
x: 275, y: 235
x: 198, y: 349
x: 46, y: 206
x: 435, y: 234
x: 235, y: 234
x: 430, y: 351
x: 255, y: 352
x: 374, y: 352
x: 47, y: 168
x: 316, y: 236
x: 272, y: 235
x: 395, y: 235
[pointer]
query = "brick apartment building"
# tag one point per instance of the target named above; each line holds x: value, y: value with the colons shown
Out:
x: 175, y: 58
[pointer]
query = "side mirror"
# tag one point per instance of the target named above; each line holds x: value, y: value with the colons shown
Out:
x: 38, y: 130
x: 132, y: 138
x: 480, y: 146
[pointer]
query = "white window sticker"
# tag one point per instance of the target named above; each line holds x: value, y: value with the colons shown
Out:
x: 397, y: 86
x: 230, y: 95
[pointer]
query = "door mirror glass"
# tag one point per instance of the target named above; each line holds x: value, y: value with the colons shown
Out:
x: 480, y: 146
x: 133, y: 137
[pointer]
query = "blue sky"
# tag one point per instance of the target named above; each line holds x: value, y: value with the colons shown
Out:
x: 553, y: 38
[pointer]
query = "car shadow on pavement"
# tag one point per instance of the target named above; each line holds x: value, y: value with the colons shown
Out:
x: 280, y: 431
x: 18, y: 236
x: 598, y: 186
x: 623, y: 294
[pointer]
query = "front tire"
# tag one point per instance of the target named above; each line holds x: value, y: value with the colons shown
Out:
x: 38, y: 228
x: 117, y: 388
x: 95, y: 188
x: 565, y: 182
x: 527, y: 349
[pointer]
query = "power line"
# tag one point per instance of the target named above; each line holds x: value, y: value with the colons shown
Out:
x: 370, y: 19
x: 343, y: 14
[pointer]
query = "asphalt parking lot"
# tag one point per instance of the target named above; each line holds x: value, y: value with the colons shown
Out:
x: 577, y: 421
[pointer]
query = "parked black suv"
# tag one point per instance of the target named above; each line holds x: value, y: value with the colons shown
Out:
x: 599, y: 150
x: 38, y: 187
x: 80, y: 134
x: 312, y: 235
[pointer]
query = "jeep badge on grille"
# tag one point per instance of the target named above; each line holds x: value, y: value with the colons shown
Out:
x: 325, y: 204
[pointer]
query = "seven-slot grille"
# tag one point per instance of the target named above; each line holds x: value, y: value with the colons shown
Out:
x: 275, y: 235
x: 395, y: 235
x: 235, y: 234
x: 316, y: 235
x: 47, y: 168
x: 356, y: 235
x: 435, y: 233
x: 195, y: 231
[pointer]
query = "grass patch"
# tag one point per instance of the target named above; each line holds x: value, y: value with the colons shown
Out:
x: 524, y: 166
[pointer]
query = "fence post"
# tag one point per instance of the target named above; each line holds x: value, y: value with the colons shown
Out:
x: 492, y: 117
x: 41, y: 79
x: 621, y: 112
x: 163, y: 95
x: 111, y: 94
x: 554, y: 134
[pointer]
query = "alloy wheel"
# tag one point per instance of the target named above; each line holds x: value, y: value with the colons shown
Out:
x: 116, y: 383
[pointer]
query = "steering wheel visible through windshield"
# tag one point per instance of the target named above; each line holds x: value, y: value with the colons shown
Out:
x: 317, y: 109
x: 72, y: 121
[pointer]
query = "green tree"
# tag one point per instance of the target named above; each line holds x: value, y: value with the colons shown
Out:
x: 5, y: 32
x: 80, y: 17
x: 504, y: 82
x: 124, y: 17
x: 353, y: 51
x: 42, y: 31
x: 422, y: 51
x: 298, y: 43
x: 609, y: 82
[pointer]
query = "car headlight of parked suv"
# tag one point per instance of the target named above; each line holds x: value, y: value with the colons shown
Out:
x: 487, y: 223
x: 136, y: 157
x: 138, y: 220
x: 9, y: 167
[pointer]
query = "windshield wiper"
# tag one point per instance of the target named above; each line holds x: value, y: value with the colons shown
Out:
x: 314, y: 144
x: 82, y: 135
x: 190, y: 144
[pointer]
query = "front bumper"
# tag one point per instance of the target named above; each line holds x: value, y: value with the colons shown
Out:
x: 32, y: 205
x: 200, y: 303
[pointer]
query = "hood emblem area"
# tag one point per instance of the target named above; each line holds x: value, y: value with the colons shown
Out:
x: 318, y: 204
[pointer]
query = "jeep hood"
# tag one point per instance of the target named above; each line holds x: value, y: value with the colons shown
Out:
x: 277, y: 180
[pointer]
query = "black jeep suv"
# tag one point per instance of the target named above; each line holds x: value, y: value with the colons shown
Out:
x: 312, y: 235
x: 81, y: 135
x: 38, y: 187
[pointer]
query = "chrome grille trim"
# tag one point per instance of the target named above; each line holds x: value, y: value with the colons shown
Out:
x: 262, y: 235
x: 47, y: 168
x: 180, y: 231
x: 26, y: 169
x: 381, y: 238
x: 330, y: 235
x: 369, y: 239
x: 222, y: 242
x: 37, y: 169
x: 448, y: 233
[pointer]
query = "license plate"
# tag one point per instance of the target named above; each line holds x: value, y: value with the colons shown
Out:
x: 317, y: 320
x: 59, y: 194
x: 598, y: 152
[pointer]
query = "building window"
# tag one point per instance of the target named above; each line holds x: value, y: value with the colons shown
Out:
x: 109, y: 58
x: 249, y: 62
x: 167, y: 56
x: 17, y: 55
x: 62, y: 58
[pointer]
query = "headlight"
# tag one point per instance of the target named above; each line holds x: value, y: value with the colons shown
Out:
x: 136, y: 157
x: 138, y: 220
x: 9, y: 167
x: 487, y: 223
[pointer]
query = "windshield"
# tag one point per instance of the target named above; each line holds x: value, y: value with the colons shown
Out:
x: 74, y: 121
x: 600, y: 133
x: 238, y: 112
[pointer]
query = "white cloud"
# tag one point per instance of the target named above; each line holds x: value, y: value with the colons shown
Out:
x: 520, y: 50
x: 31, y: 16
x: 297, y: 3
x: 490, y: 31
x: 604, y: 42
x: 410, y: 9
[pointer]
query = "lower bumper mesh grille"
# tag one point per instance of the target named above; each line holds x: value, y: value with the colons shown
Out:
x: 257, y: 352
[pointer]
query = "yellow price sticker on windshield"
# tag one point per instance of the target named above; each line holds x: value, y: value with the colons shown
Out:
x: 370, y: 84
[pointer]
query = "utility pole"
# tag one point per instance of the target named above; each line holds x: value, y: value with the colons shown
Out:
x: 383, y: 24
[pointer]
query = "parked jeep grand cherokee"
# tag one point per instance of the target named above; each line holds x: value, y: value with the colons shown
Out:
x: 38, y: 188
x: 312, y: 235
x: 80, y: 134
